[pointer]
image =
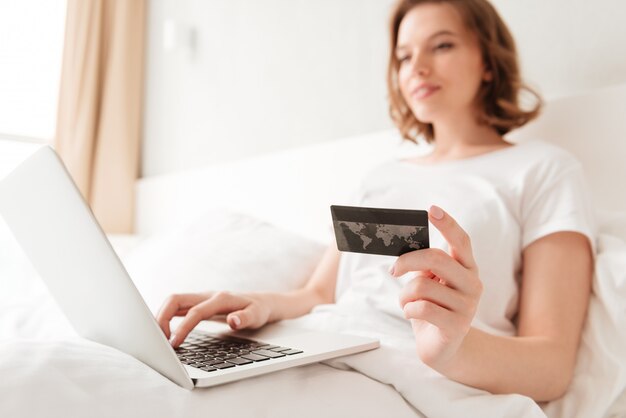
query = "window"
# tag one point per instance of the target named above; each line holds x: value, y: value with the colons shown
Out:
x: 31, y: 48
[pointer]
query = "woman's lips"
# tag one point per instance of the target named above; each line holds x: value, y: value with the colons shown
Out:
x: 424, y: 91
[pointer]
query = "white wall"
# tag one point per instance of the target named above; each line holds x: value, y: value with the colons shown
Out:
x: 272, y: 74
x: 265, y: 75
x: 568, y: 46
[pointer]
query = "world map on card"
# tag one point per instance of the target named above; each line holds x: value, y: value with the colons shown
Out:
x: 384, y: 239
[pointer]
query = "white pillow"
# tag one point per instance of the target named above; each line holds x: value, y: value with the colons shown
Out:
x: 223, y: 250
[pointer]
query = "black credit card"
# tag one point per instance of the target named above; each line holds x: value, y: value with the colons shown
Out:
x: 379, y: 230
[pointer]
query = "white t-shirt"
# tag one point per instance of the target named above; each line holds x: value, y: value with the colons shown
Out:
x: 504, y: 200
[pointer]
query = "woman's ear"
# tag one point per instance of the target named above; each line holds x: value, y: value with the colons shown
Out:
x: 487, y: 76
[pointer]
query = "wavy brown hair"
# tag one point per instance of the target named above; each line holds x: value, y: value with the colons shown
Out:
x: 499, y: 98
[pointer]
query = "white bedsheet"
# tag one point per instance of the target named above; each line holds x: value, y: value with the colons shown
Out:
x: 76, y: 378
x: 55, y: 373
x: 48, y: 371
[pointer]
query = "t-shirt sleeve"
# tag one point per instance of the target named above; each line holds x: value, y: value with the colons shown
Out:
x: 559, y: 203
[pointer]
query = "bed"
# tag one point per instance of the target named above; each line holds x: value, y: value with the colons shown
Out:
x: 265, y: 228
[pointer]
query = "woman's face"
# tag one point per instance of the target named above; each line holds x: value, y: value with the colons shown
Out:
x: 441, y: 65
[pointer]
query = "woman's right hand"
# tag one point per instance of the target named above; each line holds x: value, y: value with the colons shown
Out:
x: 242, y: 310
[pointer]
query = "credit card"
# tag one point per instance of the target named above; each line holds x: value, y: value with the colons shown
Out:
x: 379, y: 230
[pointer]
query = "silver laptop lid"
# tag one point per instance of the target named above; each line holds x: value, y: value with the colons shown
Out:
x: 58, y: 232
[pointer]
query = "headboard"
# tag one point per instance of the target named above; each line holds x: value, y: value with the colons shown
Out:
x: 291, y: 188
x: 294, y: 188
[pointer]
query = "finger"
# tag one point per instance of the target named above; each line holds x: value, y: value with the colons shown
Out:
x: 438, y: 262
x: 430, y: 312
x: 244, y: 318
x: 427, y: 274
x: 422, y: 288
x: 177, y: 305
x: 456, y: 237
x: 220, y: 303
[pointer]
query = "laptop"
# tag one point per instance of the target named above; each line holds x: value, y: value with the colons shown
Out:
x: 58, y: 232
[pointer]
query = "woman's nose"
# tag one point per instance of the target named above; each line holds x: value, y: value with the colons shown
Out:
x: 420, y: 65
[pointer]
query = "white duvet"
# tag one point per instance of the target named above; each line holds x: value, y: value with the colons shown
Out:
x: 48, y: 371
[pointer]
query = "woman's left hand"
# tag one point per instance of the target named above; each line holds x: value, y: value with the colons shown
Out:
x: 441, y: 300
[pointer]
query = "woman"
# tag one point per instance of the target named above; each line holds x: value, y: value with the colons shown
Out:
x: 499, y: 300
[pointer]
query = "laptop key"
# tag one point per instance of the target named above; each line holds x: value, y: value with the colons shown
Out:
x: 268, y: 353
x: 270, y: 347
x: 254, y: 357
x: 239, y: 361
x: 208, y: 369
x: 290, y: 352
x: 278, y: 349
x: 223, y: 365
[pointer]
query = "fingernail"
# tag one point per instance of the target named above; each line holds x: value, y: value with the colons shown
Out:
x: 392, y: 269
x: 173, y: 339
x: 236, y: 320
x: 436, y: 212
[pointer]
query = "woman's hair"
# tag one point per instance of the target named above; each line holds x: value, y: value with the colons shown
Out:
x: 499, y: 98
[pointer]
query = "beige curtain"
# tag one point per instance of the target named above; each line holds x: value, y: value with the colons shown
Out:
x: 100, y: 105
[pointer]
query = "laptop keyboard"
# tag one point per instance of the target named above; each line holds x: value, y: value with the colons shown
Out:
x: 210, y: 352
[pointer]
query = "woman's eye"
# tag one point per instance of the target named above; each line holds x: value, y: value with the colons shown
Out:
x: 444, y: 46
x: 403, y: 58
